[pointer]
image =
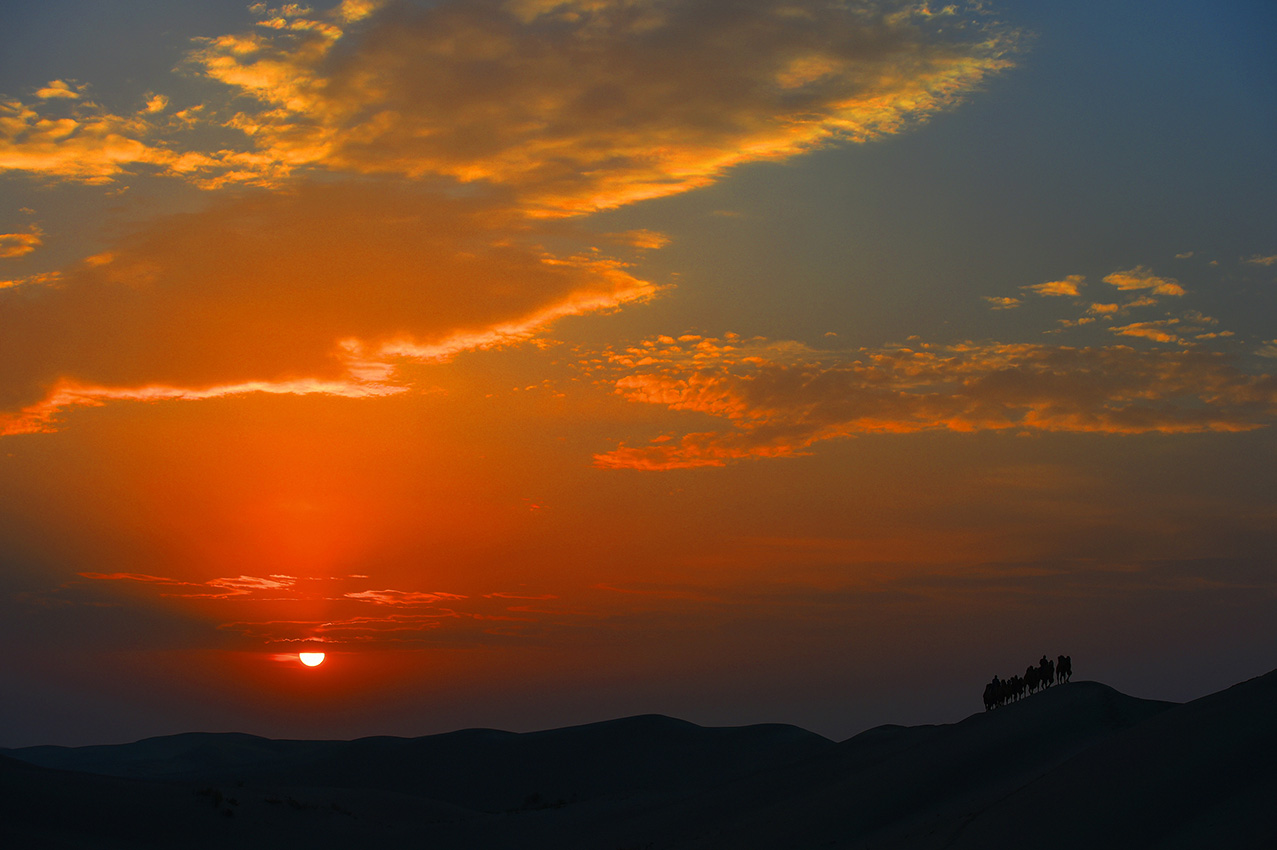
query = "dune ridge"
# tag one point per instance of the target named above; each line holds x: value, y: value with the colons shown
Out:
x: 1079, y: 764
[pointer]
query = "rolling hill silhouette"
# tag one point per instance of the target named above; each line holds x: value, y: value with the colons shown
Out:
x: 1077, y: 765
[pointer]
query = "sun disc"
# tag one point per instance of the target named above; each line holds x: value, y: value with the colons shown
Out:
x: 311, y: 659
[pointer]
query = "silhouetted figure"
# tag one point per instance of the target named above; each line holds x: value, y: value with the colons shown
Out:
x: 1064, y: 668
x: 995, y: 694
x: 1046, y: 671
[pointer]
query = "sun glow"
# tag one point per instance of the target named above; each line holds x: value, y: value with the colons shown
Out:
x: 311, y: 659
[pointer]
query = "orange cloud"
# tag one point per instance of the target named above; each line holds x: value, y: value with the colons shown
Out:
x: 325, y: 289
x: 575, y: 106
x: 1070, y: 286
x: 81, y: 141
x: 400, y: 597
x: 222, y: 588
x: 1141, y: 278
x: 142, y: 577
x: 57, y: 89
x: 780, y: 400
x: 1002, y: 302
x: 20, y: 244
x: 1156, y: 331
x: 43, y: 415
x: 583, y: 106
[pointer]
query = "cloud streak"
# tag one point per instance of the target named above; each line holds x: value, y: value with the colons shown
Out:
x: 1140, y: 278
x: 324, y: 289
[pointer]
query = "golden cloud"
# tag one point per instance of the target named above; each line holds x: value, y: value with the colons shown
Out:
x: 1158, y: 331
x: 1142, y: 278
x: 323, y: 289
x: 581, y: 106
x: 782, y: 399
x: 401, y: 597
x: 56, y: 89
x: 218, y: 588
x: 1071, y: 286
x: 82, y: 141
x: 574, y: 105
x: 20, y: 244
x: 1002, y: 302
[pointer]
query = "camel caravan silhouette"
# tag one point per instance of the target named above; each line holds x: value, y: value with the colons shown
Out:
x: 1047, y: 673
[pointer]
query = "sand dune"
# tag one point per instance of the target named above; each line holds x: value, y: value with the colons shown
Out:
x: 1078, y: 765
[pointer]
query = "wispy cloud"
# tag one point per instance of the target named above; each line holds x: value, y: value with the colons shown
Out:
x: 1158, y: 331
x: 218, y: 588
x: 1002, y: 302
x: 401, y: 597
x: 1070, y: 286
x: 1140, y: 278
x: 20, y: 244
x: 780, y: 399
x: 321, y: 290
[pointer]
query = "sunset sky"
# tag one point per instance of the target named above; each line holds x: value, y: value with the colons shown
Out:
x: 544, y: 362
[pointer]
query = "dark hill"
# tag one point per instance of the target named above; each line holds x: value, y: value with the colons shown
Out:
x: 1203, y: 774
x: 481, y: 769
x: 888, y: 785
x: 1077, y: 765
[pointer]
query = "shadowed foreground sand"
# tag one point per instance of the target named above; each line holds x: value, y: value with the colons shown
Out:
x: 1079, y: 765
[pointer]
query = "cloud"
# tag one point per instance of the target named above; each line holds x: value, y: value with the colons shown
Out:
x: 247, y: 584
x: 81, y: 141
x: 218, y: 588
x: 586, y: 105
x: 57, y: 89
x: 401, y: 597
x: 780, y: 399
x: 323, y: 289
x: 141, y: 577
x: 1108, y: 311
x: 1158, y: 331
x: 574, y: 106
x: 20, y: 244
x: 1071, y: 286
x: 1001, y: 302
x: 530, y: 597
x: 1262, y: 260
x: 1141, y: 278
x: 1137, y: 280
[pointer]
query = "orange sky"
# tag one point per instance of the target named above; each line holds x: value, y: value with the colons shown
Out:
x: 545, y: 361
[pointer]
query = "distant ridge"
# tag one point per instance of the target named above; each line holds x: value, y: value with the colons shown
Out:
x: 1078, y: 765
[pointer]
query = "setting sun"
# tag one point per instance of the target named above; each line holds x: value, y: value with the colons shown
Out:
x: 311, y: 659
